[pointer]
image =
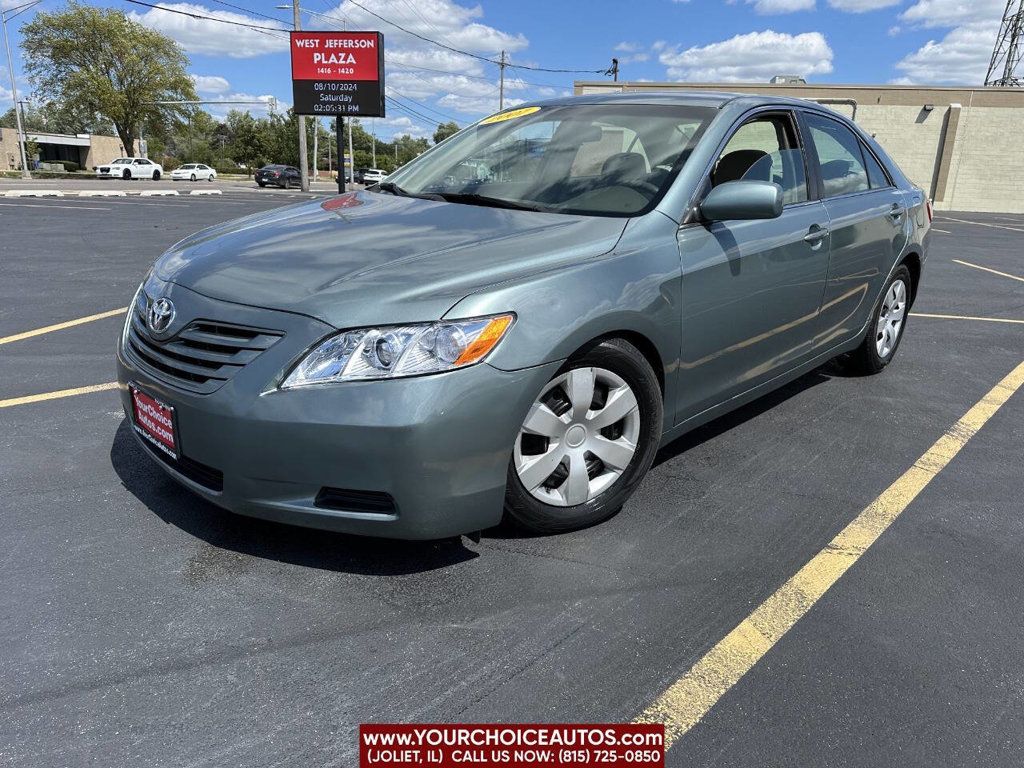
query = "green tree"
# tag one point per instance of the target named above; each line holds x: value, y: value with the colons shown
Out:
x: 444, y: 130
x: 246, y: 139
x: 98, y: 61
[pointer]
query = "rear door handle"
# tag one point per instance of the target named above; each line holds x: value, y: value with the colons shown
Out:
x: 897, y: 212
x: 817, y: 233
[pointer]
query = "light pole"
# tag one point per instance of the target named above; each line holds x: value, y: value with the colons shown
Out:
x: 303, y: 159
x: 6, y: 16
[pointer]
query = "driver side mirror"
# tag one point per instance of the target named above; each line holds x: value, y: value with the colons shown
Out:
x: 743, y: 200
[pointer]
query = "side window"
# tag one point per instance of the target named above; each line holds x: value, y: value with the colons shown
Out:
x: 839, y: 156
x: 876, y: 174
x: 765, y: 149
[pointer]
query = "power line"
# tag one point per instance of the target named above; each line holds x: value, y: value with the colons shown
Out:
x: 247, y: 10
x: 410, y: 112
x: 468, y: 53
x: 446, y: 116
x: 202, y: 17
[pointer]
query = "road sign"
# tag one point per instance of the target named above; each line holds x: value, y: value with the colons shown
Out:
x: 338, y: 73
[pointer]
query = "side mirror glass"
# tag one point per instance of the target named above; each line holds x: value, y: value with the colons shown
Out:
x: 743, y: 200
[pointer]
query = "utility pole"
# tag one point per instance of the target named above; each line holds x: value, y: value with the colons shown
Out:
x: 339, y: 137
x: 303, y: 158
x: 501, y: 82
x: 4, y: 17
x: 615, y: 70
x: 316, y: 148
x: 351, y: 153
x: 373, y: 146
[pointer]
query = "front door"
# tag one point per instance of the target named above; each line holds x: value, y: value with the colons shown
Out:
x: 752, y: 289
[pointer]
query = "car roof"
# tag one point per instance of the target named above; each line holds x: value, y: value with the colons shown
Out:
x: 680, y: 97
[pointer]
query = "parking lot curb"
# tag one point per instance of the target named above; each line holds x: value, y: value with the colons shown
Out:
x: 33, y: 193
x: 102, y: 193
x: 159, y: 193
x: 197, y: 192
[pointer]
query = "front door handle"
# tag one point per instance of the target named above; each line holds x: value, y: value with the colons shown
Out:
x: 816, y: 234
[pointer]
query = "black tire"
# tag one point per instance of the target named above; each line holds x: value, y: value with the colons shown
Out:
x: 156, y: 175
x: 127, y: 175
x: 866, y: 360
x: 622, y: 358
x: 261, y: 184
x: 193, y: 177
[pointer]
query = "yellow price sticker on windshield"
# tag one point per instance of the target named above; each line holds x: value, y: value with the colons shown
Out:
x: 512, y: 114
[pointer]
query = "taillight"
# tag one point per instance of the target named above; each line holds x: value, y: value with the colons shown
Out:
x: 928, y: 207
x: 276, y: 174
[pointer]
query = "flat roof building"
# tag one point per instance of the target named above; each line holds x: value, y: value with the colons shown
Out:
x: 962, y: 145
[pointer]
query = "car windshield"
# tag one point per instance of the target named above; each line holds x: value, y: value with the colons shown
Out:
x: 122, y: 161
x: 591, y: 159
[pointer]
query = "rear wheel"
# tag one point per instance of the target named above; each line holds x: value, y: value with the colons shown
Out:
x: 885, y: 329
x: 156, y: 175
x: 589, y: 438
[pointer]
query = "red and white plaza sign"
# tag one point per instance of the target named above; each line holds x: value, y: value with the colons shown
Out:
x: 338, y: 73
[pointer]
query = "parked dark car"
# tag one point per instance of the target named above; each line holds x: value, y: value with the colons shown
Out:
x: 283, y: 176
x: 359, y: 175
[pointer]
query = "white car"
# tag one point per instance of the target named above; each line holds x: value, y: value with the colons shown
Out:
x: 373, y: 175
x: 193, y: 172
x: 130, y: 168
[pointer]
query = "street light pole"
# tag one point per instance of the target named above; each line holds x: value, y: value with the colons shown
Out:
x: 303, y: 159
x: 4, y: 16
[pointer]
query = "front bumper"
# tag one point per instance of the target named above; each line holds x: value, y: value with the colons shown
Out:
x: 437, y: 445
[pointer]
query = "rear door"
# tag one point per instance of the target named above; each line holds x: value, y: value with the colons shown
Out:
x: 868, y: 222
x: 752, y: 289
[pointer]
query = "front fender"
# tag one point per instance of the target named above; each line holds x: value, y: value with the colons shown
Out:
x: 635, y: 289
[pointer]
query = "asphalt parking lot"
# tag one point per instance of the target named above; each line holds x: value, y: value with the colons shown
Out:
x: 142, y: 626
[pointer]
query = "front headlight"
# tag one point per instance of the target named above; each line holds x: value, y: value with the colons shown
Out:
x: 397, y: 351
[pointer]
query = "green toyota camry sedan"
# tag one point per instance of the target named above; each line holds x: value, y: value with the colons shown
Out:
x: 512, y: 324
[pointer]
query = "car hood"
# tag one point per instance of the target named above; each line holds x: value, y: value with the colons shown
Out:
x: 367, y: 258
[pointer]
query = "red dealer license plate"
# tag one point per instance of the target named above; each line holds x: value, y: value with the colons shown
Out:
x: 154, y: 420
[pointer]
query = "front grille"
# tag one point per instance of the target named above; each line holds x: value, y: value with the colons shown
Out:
x: 199, y: 358
x: 346, y: 500
x: 201, y: 474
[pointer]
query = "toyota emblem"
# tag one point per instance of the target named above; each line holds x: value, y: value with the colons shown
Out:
x: 160, y: 315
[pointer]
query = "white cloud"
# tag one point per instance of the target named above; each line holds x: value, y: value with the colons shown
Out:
x: 961, y: 57
x: 951, y: 13
x: 753, y: 57
x: 861, y: 6
x: 399, y: 126
x: 781, y: 6
x: 6, y: 98
x: 211, y: 84
x: 211, y: 37
x: 464, y: 85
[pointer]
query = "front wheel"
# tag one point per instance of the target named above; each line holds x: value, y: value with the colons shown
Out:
x: 885, y: 328
x: 127, y: 175
x: 588, y: 439
x: 193, y: 178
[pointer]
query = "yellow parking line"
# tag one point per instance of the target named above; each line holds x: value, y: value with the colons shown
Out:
x: 58, y: 394
x: 968, y: 317
x: 62, y: 326
x: 684, y: 703
x: 989, y: 269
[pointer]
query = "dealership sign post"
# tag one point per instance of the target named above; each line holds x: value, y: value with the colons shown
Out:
x: 338, y: 74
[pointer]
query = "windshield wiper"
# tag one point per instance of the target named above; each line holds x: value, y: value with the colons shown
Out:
x: 397, y: 191
x: 472, y: 198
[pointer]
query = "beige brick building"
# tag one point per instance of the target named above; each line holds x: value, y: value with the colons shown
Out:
x: 963, y: 146
x: 85, y: 149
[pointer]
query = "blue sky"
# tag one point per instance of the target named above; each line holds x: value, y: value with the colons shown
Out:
x: 831, y: 41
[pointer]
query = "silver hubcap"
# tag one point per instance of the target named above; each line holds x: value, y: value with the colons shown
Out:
x: 578, y: 438
x: 890, y: 319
